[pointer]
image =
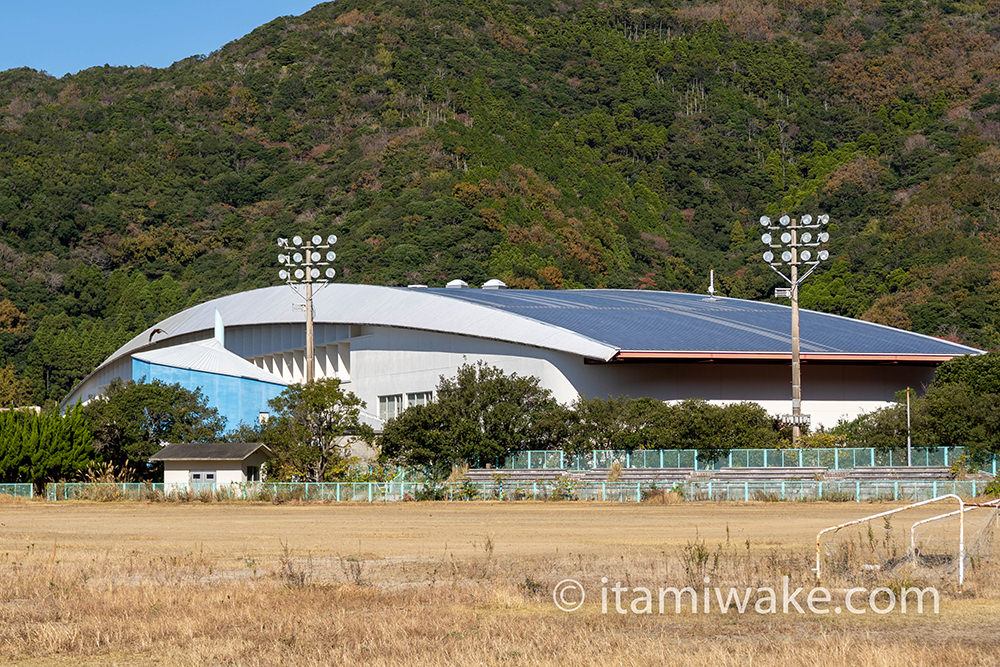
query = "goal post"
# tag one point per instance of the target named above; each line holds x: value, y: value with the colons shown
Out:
x: 964, y: 527
x: 884, y: 515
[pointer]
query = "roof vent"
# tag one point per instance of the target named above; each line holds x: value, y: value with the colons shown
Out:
x: 495, y: 283
x: 457, y: 284
x: 417, y: 286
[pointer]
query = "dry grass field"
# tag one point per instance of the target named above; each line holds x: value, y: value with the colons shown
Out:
x: 437, y: 584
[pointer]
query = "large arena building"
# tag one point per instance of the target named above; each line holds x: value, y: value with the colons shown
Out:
x: 390, y: 346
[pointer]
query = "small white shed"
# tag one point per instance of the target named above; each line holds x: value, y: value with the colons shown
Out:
x: 212, y: 462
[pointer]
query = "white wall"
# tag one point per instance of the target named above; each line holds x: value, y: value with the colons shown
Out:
x: 398, y: 361
x: 178, y: 472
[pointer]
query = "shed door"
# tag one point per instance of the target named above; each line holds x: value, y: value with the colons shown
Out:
x: 203, y: 477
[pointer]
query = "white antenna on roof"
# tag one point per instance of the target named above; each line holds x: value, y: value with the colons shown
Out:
x: 711, y: 285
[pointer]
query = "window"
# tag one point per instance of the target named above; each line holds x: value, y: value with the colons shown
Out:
x: 253, y: 474
x: 389, y: 407
x: 419, y: 398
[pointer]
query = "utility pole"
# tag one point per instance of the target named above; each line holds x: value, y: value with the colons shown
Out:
x: 310, y: 332
x: 796, y: 354
x: 909, y: 443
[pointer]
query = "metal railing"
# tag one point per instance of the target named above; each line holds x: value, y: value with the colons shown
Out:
x: 834, y: 458
x: 564, y: 489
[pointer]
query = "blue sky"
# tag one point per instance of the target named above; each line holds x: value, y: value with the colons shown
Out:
x: 66, y: 36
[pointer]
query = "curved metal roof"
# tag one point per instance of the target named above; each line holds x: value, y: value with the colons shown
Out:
x: 596, y: 324
x: 677, y: 324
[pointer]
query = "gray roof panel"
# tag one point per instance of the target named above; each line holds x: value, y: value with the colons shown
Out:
x: 636, y: 320
x: 209, y: 451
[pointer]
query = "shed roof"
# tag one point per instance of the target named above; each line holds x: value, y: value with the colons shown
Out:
x: 210, y: 451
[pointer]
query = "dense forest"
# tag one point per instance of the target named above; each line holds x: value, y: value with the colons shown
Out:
x: 553, y: 144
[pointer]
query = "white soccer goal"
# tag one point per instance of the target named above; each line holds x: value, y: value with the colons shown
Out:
x: 881, y: 543
x: 930, y: 538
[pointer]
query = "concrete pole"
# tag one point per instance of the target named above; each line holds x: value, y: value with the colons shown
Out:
x: 909, y: 444
x: 796, y: 369
x: 310, y: 346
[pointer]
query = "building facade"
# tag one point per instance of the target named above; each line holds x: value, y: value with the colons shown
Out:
x: 391, y: 345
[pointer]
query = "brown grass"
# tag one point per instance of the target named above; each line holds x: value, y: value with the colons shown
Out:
x: 433, y: 584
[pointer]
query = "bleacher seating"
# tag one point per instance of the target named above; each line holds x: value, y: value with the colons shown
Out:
x: 735, y: 474
x: 892, y: 473
x: 767, y: 474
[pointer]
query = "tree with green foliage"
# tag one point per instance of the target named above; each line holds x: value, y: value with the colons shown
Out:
x: 480, y: 415
x: 949, y: 415
x: 44, y: 447
x: 624, y: 423
x: 132, y: 420
x: 619, y: 423
x: 13, y: 389
x: 311, y: 429
x: 420, y: 438
x: 980, y: 373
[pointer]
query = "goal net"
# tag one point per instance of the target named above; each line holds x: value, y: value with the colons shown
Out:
x: 939, y: 540
x: 932, y: 540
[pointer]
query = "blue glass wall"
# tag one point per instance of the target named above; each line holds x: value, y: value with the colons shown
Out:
x: 236, y: 399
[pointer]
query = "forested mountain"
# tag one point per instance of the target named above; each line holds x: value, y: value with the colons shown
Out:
x: 547, y: 143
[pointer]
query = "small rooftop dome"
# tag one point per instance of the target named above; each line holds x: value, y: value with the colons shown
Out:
x: 494, y: 283
x: 457, y: 284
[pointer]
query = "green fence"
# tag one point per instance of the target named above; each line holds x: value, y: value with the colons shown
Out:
x: 17, y: 490
x: 369, y: 492
x: 834, y: 458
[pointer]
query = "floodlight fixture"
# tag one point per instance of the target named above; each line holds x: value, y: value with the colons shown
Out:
x: 806, y: 237
x: 303, y: 265
x: 766, y: 239
x: 823, y: 219
x: 768, y: 256
x: 823, y: 255
x: 765, y: 221
x: 806, y: 219
x: 784, y: 220
x: 805, y: 255
x: 786, y: 238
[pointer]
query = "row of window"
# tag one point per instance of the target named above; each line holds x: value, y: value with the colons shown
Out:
x: 392, y: 405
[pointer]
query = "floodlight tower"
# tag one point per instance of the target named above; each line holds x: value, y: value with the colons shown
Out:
x: 797, y: 245
x: 301, y: 267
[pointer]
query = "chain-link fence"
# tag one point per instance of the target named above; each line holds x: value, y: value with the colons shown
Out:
x: 549, y: 489
x: 834, y: 458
